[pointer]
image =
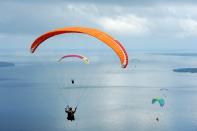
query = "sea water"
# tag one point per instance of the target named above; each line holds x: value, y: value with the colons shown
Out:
x: 34, y: 93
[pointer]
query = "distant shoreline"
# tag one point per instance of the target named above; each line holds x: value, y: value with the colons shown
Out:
x: 176, y: 54
x: 185, y: 70
x: 6, y: 64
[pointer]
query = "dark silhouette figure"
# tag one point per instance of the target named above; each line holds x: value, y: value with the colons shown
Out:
x: 157, y: 119
x: 73, y: 82
x: 70, y: 113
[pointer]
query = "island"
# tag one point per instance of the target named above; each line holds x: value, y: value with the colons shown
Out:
x: 6, y: 64
x: 186, y: 70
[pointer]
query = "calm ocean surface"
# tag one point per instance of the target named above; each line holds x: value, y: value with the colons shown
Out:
x: 34, y: 92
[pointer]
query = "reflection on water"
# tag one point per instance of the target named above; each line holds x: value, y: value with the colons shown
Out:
x: 33, y: 96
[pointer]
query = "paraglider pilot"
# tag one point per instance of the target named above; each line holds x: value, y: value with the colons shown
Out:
x: 157, y: 119
x: 70, y: 113
x: 73, y: 82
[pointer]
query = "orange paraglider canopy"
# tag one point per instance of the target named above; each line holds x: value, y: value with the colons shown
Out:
x: 107, y: 39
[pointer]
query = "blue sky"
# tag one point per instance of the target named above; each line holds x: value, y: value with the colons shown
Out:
x: 137, y: 24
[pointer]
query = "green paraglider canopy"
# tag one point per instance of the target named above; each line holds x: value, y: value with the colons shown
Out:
x: 161, y: 101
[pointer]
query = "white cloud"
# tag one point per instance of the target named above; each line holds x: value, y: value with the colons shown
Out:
x: 83, y: 9
x: 159, y: 20
x: 189, y: 27
x: 126, y: 25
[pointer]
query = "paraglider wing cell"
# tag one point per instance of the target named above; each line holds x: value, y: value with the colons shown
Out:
x: 161, y: 102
